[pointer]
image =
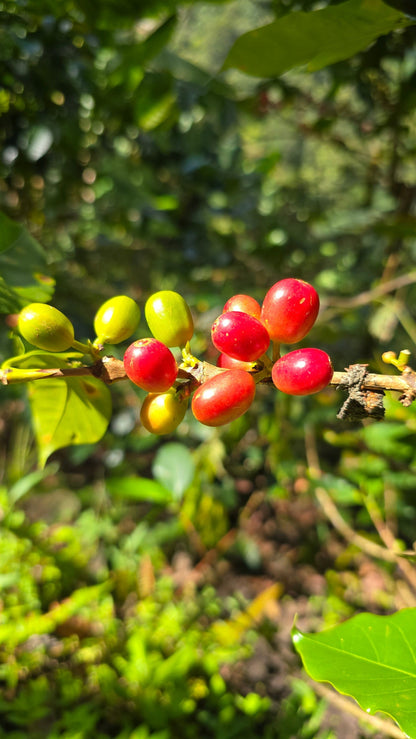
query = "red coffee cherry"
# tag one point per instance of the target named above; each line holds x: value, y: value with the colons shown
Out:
x: 226, y: 362
x: 302, y: 372
x: 150, y: 365
x: 244, y: 303
x: 223, y: 397
x: 289, y: 310
x: 240, y: 335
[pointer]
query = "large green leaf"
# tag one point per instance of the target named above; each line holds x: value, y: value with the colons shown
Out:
x: 23, y: 268
x: 313, y: 39
x: 69, y: 411
x: 371, y: 658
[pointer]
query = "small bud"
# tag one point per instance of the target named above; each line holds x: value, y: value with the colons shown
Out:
x: 400, y: 362
x: 389, y: 357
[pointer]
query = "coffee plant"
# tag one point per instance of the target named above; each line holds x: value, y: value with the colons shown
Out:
x: 186, y: 370
x: 358, y: 656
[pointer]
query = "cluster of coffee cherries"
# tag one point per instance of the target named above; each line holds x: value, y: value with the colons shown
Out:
x: 242, y: 335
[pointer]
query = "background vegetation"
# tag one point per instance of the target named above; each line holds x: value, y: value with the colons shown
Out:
x: 147, y: 586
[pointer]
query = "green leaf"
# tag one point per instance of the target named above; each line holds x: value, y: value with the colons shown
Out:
x: 388, y: 438
x: 139, y: 488
x: 405, y: 6
x: 69, y: 411
x: 23, y: 268
x: 315, y: 39
x: 174, y: 467
x: 130, y: 70
x: 341, y: 490
x: 371, y: 658
x: 155, y: 101
x: 157, y: 40
x: 28, y: 482
x: 44, y: 623
x: 9, y: 302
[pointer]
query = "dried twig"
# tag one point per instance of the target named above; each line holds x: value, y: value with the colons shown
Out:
x: 368, y: 295
x: 388, y: 553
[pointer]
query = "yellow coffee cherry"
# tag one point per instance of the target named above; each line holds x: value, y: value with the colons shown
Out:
x: 161, y: 413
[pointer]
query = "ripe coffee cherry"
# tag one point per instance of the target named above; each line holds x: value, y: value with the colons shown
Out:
x: 240, y: 335
x: 226, y: 362
x: 302, y: 372
x: 289, y: 310
x: 161, y: 413
x: 223, y: 397
x: 116, y: 320
x: 46, y: 327
x: 150, y: 365
x: 245, y: 303
x: 169, y: 318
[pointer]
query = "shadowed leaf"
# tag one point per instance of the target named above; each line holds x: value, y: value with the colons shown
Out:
x: 315, y: 39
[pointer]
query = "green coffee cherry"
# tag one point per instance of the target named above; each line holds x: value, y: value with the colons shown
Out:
x: 116, y: 320
x: 46, y: 327
x: 169, y: 318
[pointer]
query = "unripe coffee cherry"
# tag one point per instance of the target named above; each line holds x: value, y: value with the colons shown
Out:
x: 245, y: 303
x: 302, y: 372
x: 161, y: 413
x: 289, y: 310
x: 169, y: 318
x: 224, y: 397
x: 240, y: 335
x: 150, y: 365
x: 46, y: 327
x: 116, y: 320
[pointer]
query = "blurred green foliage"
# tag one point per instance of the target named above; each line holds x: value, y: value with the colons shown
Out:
x: 139, y: 165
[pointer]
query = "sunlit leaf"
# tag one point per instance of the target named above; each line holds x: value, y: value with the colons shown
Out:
x: 371, y: 658
x: 314, y: 39
x: 69, y: 411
